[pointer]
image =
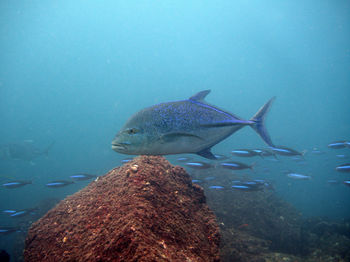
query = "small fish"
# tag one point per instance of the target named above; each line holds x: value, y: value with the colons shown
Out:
x: 216, y: 187
x: 235, y: 165
x: 343, y: 168
x: 338, y: 144
x: 264, y: 152
x: 332, y: 182
x: 8, y: 211
x: 186, y: 126
x: 24, y: 212
x: 316, y: 151
x: 242, y: 226
x: 196, y: 181
x: 126, y: 160
x: 298, y: 176
x: 209, y: 178
x: 241, y: 187
x: 346, y: 182
x: 341, y: 156
x: 244, y: 153
x: 285, y: 151
x: 250, y: 185
x: 82, y: 177
x: 221, y: 157
x: 5, y: 230
x: 59, y: 183
x: 16, y: 184
x: 198, y: 165
x: 184, y: 159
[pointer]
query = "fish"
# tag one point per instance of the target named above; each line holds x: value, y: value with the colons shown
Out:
x: 235, y: 165
x: 264, y: 152
x: 341, y: 156
x: 216, y: 187
x: 126, y: 160
x: 196, y: 181
x: 339, y: 144
x: 16, y: 184
x: 250, y: 185
x: 8, y: 211
x: 82, y: 176
x: 316, y: 151
x: 244, y: 152
x: 343, y: 168
x: 184, y: 159
x: 186, y: 126
x: 346, y: 182
x: 24, y: 212
x: 298, y: 176
x: 5, y: 230
x: 59, y: 183
x: 286, y: 151
x: 22, y: 151
x: 198, y: 165
x: 332, y: 181
x: 220, y: 157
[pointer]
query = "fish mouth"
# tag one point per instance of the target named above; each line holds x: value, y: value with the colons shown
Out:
x: 118, y: 147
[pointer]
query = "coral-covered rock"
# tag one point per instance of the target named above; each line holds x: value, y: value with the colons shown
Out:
x: 146, y: 210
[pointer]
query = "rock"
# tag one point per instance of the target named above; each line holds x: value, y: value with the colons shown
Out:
x: 146, y: 210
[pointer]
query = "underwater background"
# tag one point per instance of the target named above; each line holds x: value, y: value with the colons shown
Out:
x: 72, y: 73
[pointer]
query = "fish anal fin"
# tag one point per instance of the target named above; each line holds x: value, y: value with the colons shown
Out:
x: 207, y: 154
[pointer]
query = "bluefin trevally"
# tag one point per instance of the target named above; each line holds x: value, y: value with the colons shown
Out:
x: 187, y: 126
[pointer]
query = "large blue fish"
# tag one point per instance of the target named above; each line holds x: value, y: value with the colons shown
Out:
x: 187, y: 126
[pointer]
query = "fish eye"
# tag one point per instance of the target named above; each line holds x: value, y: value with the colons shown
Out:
x: 132, y: 131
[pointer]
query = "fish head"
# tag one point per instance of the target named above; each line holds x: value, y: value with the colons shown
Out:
x: 130, y: 140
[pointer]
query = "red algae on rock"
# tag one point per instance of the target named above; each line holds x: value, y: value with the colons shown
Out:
x: 146, y: 210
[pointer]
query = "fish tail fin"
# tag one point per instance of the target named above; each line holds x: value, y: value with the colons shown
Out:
x: 259, y: 122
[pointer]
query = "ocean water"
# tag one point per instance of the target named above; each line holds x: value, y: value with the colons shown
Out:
x: 72, y: 73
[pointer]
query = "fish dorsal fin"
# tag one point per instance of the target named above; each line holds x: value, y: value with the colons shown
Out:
x: 200, y: 96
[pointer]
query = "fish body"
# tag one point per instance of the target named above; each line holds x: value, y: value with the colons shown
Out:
x: 298, y: 176
x: 216, y: 187
x: 16, y: 184
x: 8, y: 230
x: 286, y: 151
x: 343, y: 168
x: 339, y: 144
x: 82, y: 177
x: 198, y: 165
x: 235, y: 165
x: 184, y: 159
x: 187, y: 126
x: 244, y: 152
x: 58, y: 183
x: 22, y: 151
x: 250, y: 185
x: 23, y: 212
x: 346, y: 182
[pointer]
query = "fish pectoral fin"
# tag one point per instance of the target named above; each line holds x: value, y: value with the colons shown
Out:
x: 207, y: 154
x: 173, y: 136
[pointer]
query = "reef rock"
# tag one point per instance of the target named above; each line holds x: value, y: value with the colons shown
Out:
x: 146, y: 210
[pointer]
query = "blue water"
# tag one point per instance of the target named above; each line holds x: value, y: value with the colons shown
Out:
x: 72, y: 72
